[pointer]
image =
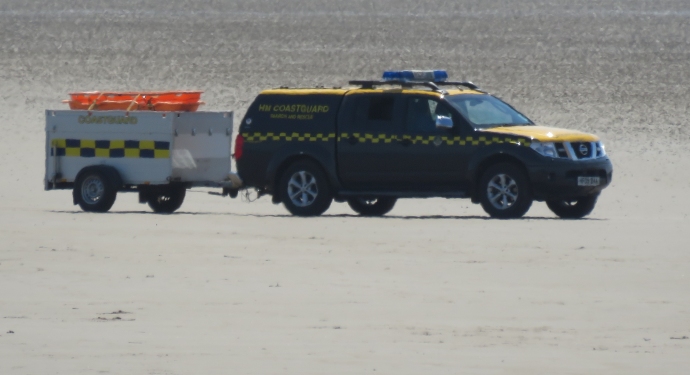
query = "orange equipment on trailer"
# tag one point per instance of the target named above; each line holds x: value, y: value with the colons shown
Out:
x: 170, y: 101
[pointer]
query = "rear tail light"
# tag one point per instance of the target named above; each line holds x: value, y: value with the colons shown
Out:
x: 239, y: 146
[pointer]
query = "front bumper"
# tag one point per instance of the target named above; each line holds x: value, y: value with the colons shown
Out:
x: 557, y: 178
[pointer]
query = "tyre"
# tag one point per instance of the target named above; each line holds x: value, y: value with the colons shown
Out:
x: 574, y: 208
x: 95, y: 191
x: 505, y: 191
x: 167, y: 200
x: 304, y: 189
x: 372, y: 207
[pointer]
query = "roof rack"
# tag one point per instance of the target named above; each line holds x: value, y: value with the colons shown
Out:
x: 432, y: 85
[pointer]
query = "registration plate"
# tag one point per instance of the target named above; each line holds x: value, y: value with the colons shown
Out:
x: 588, y: 181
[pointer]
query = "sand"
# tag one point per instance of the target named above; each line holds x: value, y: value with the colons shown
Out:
x: 225, y: 286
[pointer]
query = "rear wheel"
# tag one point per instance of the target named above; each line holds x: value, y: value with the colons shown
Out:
x: 304, y: 189
x: 372, y: 206
x: 168, y: 200
x: 505, y: 191
x: 574, y: 208
x: 95, y: 191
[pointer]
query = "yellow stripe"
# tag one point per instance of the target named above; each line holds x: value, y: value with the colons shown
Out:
x: 306, y: 91
x: 394, y: 91
x: 102, y: 153
x: 116, y: 149
x: 146, y: 145
x: 72, y: 151
x: 358, y: 90
x: 131, y: 152
x: 117, y: 144
x: 301, y: 137
x: 161, y: 154
x: 543, y: 134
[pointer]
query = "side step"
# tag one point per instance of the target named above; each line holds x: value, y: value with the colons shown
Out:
x: 403, y: 194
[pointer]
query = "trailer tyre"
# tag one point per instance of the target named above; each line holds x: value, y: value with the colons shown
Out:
x: 305, y: 190
x: 167, y: 201
x: 95, y: 190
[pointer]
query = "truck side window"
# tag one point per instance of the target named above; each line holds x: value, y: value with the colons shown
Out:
x: 381, y: 108
x: 374, y: 113
x: 422, y: 114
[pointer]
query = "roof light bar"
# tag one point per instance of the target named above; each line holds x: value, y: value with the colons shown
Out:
x: 415, y: 75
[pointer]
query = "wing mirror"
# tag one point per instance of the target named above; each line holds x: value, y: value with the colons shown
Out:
x: 443, y: 122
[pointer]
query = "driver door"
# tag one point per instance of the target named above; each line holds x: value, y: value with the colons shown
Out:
x: 431, y: 159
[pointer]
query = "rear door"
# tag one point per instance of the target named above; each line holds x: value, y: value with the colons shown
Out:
x: 367, y: 141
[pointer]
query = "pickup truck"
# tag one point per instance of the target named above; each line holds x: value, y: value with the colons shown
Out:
x: 413, y: 134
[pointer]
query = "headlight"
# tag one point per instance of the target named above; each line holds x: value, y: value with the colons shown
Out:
x: 547, y: 149
x: 601, y: 150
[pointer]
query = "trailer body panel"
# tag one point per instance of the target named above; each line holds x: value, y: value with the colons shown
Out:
x: 146, y: 148
x: 202, y: 146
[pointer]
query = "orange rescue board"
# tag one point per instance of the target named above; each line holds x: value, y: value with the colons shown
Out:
x: 172, y: 101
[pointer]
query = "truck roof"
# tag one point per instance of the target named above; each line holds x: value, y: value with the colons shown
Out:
x: 359, y: 90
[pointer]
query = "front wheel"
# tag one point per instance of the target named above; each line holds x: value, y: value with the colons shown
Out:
x: 505, y: 191
x: 304, y: 189
x: 168, y: 200
x: 372, y: 206
x: 575, y: 208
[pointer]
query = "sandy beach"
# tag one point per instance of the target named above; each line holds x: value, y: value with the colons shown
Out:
x: 435, y: 287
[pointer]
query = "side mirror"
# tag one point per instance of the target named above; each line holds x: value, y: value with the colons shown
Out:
x: 443, y: 122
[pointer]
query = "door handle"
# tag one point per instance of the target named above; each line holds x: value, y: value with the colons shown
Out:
x: 352, y: 140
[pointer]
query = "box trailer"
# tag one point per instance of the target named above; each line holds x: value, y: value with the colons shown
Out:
x: 157, y: 154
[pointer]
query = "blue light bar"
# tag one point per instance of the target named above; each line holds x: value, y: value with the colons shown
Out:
x: 415, y: 75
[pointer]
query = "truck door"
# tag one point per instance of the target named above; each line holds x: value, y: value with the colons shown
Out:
x: 429, y: 158
x: 366, y: 146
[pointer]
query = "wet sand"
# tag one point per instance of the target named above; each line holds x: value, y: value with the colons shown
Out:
x: 434, y: 287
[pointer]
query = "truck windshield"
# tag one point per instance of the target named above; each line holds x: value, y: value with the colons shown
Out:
x: 486, y: 111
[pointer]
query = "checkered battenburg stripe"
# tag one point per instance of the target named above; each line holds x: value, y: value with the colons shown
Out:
x: 111, y: 149
x: 386, y: 138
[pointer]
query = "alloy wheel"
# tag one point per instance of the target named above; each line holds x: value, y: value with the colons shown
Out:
x: 302, y: 189
x: 502, y: 191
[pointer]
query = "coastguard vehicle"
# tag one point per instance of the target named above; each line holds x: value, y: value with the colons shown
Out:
x: 153, y: 143
x: 413, y: 134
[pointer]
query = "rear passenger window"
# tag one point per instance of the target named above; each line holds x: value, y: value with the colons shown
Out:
x: 381, y: 108
x: 375, y: 113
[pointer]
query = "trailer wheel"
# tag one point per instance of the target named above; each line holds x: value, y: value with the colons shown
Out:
x: 167, y: 200
x: 95, y: 191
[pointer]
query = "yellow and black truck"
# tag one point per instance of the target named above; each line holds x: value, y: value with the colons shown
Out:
x: 413, y: 134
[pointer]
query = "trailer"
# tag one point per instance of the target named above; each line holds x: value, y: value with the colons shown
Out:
x: 98, y: 154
